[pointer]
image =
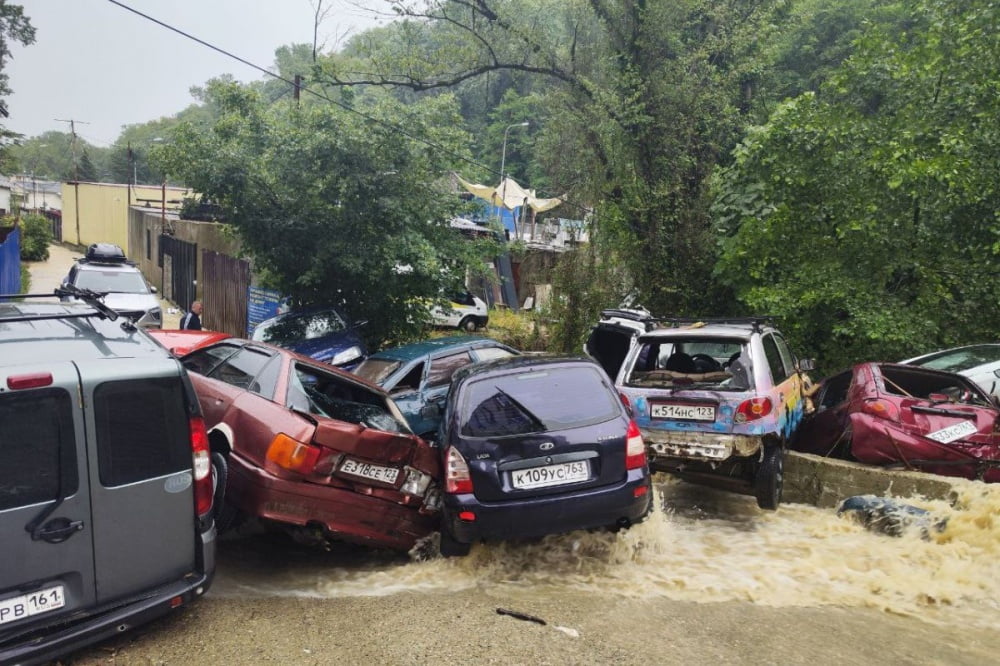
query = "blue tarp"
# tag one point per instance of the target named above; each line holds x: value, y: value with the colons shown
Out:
x: 10, y: 263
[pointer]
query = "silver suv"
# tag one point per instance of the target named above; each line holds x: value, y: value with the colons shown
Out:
x: 105, y: 270
x: 106, y: 487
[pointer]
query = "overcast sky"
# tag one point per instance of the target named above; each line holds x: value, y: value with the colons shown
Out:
x: 97, y: 63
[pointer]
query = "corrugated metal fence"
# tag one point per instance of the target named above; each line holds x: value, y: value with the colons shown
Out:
x: 225, y: 293
x: 10, y: 262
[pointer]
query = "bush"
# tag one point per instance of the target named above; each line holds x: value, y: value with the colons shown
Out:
x: 36, y: 234
x: 25, y: 280
x: 521, y: 330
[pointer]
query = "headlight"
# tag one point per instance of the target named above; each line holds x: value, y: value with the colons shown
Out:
x: 346, y: 356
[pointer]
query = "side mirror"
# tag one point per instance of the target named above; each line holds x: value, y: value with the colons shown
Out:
x: 807, y: 365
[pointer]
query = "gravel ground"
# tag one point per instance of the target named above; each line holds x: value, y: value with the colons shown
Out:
x: 464, y: 627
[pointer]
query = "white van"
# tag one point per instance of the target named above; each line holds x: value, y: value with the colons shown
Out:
x: 464, y: 311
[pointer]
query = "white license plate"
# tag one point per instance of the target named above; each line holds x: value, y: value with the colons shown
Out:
x: 951, y: 433
x: 33, y: 603
x: 370, y: 471
x: 550, y: 475
x: 687, y: 412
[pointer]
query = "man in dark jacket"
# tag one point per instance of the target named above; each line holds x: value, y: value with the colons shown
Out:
x: 192, y: 320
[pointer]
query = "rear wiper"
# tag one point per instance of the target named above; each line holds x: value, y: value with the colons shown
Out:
x: 524, y: 410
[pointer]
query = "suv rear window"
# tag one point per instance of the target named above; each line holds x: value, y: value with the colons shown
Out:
x: 142, y: 430
x: 518, y: 404
x: 37, y: 447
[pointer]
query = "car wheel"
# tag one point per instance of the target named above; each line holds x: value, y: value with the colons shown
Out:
x: 224, y: 514
x: 452, y: 548
x: 468, y: 324
x: 770, y: 477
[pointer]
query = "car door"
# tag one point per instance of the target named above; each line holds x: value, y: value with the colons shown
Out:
x: 140, y: 466
x: 826, y: 428
x: 44, y: 486
x: 786, y: 391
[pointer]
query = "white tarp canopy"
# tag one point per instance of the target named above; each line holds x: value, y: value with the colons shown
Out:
x: 510, y: 195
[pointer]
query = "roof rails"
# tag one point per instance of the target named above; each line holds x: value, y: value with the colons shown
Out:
x: 756, y: 321
x: 91, y: 298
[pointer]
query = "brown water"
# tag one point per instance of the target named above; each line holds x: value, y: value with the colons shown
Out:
x: 704, y: 546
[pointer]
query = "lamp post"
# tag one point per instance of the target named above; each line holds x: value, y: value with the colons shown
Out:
x: 503, y: 162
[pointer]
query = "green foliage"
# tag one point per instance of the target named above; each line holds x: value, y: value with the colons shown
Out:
x: 867, y: 218
x: 337, y: 207
x: 25, y: 279
x: 14, y: 27
x: 525, y: 331
x: 36, y: 234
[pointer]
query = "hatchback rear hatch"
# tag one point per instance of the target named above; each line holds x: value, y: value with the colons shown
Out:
x: 540, y: 430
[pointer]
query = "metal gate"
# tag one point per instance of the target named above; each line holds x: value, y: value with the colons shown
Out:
x: 224, y: 293
x: 179, y: 260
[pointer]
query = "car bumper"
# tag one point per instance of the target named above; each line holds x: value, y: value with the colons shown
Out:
x: 43, y: 643
x: 695, y: 445
x: 595, y: 507
x: 344, y: 514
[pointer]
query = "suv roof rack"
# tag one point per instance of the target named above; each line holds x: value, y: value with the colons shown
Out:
x: 755, y: 321
x: 91, y: 298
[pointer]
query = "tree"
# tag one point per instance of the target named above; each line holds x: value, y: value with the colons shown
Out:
x: 867, y: 217
x: 336, y: 206
x: 14, y: 26
x: 86, y: 171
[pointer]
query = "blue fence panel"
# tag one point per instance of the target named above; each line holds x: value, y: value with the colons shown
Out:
x: 10, y: 263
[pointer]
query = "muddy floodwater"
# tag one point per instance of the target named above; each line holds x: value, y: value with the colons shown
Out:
x: 705, y: 546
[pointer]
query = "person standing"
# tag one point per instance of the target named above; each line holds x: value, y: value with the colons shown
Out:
x: 192, y: 320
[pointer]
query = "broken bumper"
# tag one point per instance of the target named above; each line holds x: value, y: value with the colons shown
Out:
x: 703, y: 446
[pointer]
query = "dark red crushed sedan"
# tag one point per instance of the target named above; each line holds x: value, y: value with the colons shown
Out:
x: 908, y: 417
x: 310, y: 447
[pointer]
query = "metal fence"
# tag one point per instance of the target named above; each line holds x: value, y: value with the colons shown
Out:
x: 224, y: 293
x: 10, y: 261
x: 180, y: 270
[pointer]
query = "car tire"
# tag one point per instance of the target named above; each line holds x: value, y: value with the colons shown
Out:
x: 224, y: 514
x: 452, y: 548
x: 770, y: 478
x: 468, y: 324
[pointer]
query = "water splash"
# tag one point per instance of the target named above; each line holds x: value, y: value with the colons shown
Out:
x: 703, y: 546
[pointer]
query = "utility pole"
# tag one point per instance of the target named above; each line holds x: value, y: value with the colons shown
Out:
x: 76, y: 172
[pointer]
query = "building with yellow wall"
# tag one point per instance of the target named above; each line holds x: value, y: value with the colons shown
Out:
x: 98, y: 212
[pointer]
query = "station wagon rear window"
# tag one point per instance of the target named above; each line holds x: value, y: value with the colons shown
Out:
x: 37, y: 446
x: 540, y: 400
x: 719, y: 364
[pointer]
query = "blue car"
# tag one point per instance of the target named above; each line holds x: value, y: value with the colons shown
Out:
x: 417, y: 375
x: 322, y: 333
x: 536, y: 445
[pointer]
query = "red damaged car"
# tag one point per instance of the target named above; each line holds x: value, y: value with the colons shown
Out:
x: 308, y: 446
x: 906, y: 416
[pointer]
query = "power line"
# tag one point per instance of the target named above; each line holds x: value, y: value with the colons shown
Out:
x: 296, y: 85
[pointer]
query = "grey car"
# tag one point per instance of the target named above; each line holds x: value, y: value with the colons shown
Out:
x: 106, y: 489
x: 105, y: 270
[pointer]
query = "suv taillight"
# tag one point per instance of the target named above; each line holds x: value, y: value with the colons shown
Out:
x: 202, y: 461
x: 752, y: 409
x: 456, y: 473
x: 635, y: 448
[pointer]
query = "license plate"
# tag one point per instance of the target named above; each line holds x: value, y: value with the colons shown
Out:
x: 951, y: 433
x: 686, y: 412
x: 550, y: 475
x: 33, y: 603
x: 370, y: 471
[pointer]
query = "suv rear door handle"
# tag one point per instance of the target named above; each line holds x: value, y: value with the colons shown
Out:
x: 57, y: 530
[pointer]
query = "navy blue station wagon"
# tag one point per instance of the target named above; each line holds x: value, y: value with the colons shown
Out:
x: 536, y: 445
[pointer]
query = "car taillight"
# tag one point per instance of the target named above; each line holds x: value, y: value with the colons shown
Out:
x: 882, y: 409
x: 293, y: 455
x: 456, y: 473
x: 202, y: 460
x: 33, y: 380
x: 635, y: 448
x: 752, y: 409
x: 627, y: 403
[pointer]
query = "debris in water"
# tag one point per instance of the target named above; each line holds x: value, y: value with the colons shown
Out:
x: 521, y: 616
x: 890, y: 516
x: 568, y: 631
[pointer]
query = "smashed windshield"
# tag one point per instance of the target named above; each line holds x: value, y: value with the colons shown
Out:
x: 721, y: 364
x: 330, y: 396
